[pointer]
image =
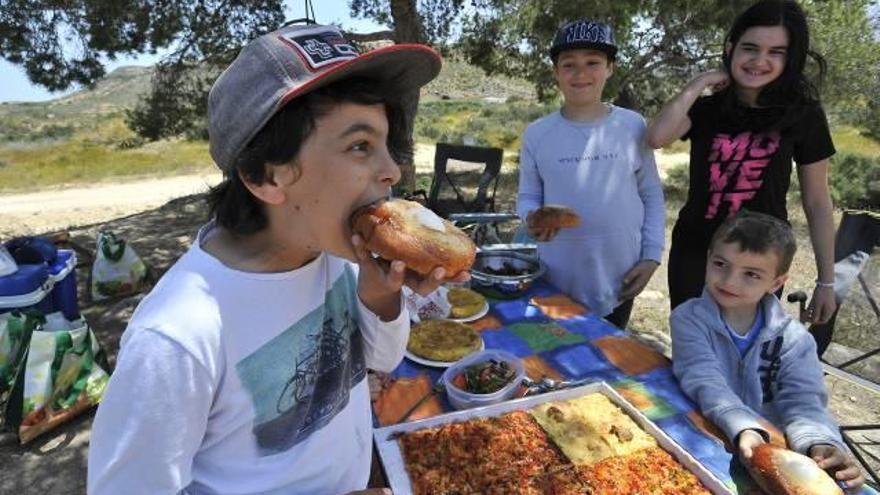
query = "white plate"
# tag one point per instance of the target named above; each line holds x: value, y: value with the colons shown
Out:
x: 437, y: 364
x: 476, y: 316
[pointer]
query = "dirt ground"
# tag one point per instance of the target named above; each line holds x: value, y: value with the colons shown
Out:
x: 161, y: 232
x: 66, y: 207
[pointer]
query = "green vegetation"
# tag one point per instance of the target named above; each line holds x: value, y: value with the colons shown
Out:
x: 459, y: 80
x: 82, y: 138
x: 851, y: 140
x: 855, y: 181
x: 855, y: 169
x: 675, y: 186
x: 87, y: 114
x: 487, y: 124
x: 11, y: 131
x: 678, y: 146
x: 95, y: 155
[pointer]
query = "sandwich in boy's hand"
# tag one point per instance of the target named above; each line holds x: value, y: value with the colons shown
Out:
x: 781, y: 471
x: 403, y: 230
x: 553, y: 217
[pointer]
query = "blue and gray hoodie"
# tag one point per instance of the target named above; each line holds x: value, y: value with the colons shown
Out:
x: 779, y: 378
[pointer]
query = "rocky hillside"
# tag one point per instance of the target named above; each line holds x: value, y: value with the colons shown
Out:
x: 121, y: 89
x: 61, y: 117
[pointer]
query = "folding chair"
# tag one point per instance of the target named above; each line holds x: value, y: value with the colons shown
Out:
x: 857, y: 236
x: 464, y: 191
x: 467, y: 186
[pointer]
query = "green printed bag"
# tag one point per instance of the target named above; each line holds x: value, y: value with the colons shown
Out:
x: 64, y: 374
x: 15, y: 334
x: 117, y: 270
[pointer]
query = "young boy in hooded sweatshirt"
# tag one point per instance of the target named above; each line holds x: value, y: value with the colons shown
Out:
x: 739, y: 356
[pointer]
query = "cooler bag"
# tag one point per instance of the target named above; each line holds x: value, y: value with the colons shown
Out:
x: 64, y: 291
x: 28, y: 287
x: 32, y: 250
x: 7, y: 262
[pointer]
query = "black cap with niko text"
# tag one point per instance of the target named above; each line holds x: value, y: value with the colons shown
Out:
x: 584, y: 34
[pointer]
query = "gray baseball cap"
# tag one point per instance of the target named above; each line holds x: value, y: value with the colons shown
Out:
x: 279, y: 66
x: 584, y: 34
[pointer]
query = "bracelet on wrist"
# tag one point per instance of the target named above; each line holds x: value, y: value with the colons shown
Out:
x: 828, y: 285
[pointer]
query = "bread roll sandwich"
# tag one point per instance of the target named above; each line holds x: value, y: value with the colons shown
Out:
x: 405, y: 230
x: 782, y: 472
x: 553, y: 217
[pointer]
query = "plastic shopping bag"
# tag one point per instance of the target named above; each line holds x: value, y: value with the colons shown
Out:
x: 117, y: 270
x: 64, y: 374
x: 15, y: 334
x: 430, y: 307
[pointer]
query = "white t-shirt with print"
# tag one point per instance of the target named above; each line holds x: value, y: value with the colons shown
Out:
x: 233, y: 382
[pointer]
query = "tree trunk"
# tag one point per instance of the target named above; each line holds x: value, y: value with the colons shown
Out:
x: 407, y: 23
x: 407, y: 29
x: 626, y: 98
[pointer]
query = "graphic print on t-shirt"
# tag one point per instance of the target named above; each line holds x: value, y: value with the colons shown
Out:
x: 736, y: 167
x: 301, y: 379
x: 589, y: 157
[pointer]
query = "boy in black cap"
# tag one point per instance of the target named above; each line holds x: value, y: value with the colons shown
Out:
x: 244, y: 371
x: 590, y: 156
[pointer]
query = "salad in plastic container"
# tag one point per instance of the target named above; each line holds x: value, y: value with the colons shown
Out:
x: 483, y: 378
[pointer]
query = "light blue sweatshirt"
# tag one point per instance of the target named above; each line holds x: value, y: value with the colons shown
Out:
x: 779, y: 378
x: 605, y: 172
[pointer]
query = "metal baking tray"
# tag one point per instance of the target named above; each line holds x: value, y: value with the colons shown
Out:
x: 398, y: 479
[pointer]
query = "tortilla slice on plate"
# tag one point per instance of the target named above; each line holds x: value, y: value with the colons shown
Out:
x: 443, y: 340
x: 465, y: 302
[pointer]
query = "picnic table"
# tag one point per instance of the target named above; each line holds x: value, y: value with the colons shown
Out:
x: 557, y: 338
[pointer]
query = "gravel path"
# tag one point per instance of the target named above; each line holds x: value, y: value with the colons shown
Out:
x: 64, y: 207
x: 60, y: 208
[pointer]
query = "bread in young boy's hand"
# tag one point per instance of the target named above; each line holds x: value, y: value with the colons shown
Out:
x: 780, y: 471
x: 553, y: 217
x: 405, y: 230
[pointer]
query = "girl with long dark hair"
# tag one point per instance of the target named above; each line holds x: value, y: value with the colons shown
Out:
x: 764, y: 113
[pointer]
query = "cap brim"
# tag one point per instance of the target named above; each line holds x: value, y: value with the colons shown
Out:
x: 609, y: 50
x: 400, y: 69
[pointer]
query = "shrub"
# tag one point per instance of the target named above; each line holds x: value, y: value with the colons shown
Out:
x: 54, y: 131
x: 675, y: 187
x: 489, y: 124
x: 131, y: 143
x: 855, y: 181
x: 872, y: 120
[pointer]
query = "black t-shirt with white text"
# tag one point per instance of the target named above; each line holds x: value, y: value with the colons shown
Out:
x: 741, y: 162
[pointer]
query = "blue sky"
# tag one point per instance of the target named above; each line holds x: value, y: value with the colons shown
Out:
x: 15, y: 85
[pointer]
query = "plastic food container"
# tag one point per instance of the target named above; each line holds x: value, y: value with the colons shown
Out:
x: 461, y: 399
